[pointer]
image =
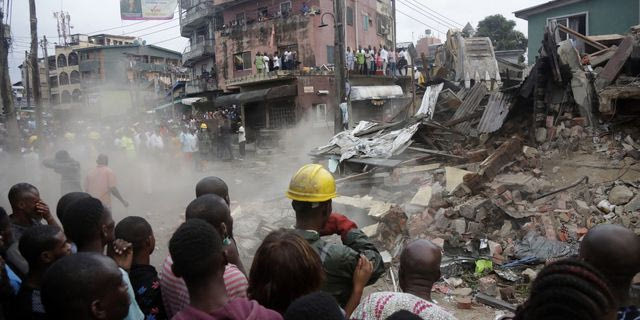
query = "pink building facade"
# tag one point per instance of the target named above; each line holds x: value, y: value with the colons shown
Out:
x: 251, y: 27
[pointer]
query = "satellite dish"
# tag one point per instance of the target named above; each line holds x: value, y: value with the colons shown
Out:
x: 136, y: 42
x: 144, y: 42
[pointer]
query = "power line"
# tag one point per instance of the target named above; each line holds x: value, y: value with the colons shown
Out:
x: 412, y: 6
x: 424, y: 24
x: 146, y: 34
x: 166, y: 40
x: 439, y: 14
x: 133, y: 24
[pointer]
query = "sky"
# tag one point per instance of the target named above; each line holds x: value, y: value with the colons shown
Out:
x: 89, y: 16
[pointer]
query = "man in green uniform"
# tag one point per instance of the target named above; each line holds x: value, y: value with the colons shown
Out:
x: 311, y: 190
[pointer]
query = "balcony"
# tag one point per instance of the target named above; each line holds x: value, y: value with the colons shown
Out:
x: 200, y: 86
x: 197, y: 51
x: 195, y: 17
x: 90, y: 65
x: 150, y: 67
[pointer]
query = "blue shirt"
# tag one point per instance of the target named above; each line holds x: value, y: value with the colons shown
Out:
x: 14, y: 280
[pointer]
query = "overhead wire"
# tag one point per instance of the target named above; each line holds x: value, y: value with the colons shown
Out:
x: 421, y: 22
x: 439, y: 14
x: 412, y: 7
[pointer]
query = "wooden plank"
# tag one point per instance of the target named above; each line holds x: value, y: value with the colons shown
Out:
x: 436, y: 152
x: 602, y: 56
x: 387, y: 163
x: 615, y: 64
x: 586, y: 39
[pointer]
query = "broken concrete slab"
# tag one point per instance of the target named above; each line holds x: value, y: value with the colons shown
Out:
x: 615, y: 64
x: 423, y: 196
x: 582, y: 207
x: 459, y: 226
x: 454, y: 177
x: 488, y: 285
x: 416, y: 169
x: 471, y: 206
x: 462, y: 292
x: 372, y: 230
x: 620, y: 195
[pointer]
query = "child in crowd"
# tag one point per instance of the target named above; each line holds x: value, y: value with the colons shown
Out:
x: 144, y: 277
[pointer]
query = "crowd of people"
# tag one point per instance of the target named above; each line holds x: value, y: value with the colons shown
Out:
x: 377, y: 61
x: 266, y: 62
x: 84, y: 265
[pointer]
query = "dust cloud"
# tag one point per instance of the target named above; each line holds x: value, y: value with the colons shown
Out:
x: 160, y: 184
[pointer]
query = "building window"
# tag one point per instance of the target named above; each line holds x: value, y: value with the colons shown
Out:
x: 242, y: 61
x: 349, y: 16
x: 365, y: 22
x: 576, y: 22
x: 73, y: 59
x: 74, y: 77
x: 64, y: 78
x: 62, y: 61
x: 76, y: 96
x: 383, y: 24
x: 285, y: 8
x: 330, y: 55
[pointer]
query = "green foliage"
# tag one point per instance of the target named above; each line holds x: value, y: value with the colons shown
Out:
x: 502, y: 33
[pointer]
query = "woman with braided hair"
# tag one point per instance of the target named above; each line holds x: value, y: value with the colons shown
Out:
x: 568, y: 289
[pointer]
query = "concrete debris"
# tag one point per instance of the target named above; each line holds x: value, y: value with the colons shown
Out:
x: 454, y: 178
x: 620, y: 195
x: 422, y: 197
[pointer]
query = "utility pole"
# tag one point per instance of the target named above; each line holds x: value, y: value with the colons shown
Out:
x: 44, y: 45
x: 5, y: 89
x: 393, y: 8
x: 339, y: 57
x: 35, y: 68
x: 27, y: 85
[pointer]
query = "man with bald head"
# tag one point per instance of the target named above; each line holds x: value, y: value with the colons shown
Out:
x: 213, y: 185
x: 615, y: 251
x: 213, y: 210
x: 419, y: 270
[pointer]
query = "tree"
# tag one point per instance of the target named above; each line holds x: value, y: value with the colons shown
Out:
x: 468, y: 31
x: 501, y: 32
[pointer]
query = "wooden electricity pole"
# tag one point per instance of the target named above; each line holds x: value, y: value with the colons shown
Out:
x: 6, y: 95
x: 35, y: 68
x: 27, y: 84
x: 339, y: 57
x: 44, y: 45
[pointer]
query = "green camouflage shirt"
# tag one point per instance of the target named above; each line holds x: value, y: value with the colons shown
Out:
x: 340, y: 261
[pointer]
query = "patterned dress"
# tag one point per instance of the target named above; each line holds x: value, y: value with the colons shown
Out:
x: 381, y: 305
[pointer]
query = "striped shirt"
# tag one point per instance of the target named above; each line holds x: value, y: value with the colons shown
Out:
x: 176, y: 296
x: 381, y: 305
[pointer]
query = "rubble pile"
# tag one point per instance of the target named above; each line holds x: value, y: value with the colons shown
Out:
x: 478, y: 171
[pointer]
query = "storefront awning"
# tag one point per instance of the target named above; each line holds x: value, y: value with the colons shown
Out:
x: 257, y: 95
x: 359, y: 93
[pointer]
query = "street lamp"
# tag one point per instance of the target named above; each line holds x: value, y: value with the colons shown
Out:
x: 338, y: 53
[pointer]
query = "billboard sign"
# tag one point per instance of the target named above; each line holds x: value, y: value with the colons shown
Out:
x: 147, y: 9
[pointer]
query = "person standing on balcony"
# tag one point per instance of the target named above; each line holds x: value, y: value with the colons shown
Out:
x: 384, y: 54
x: 259, y: 62
x: 392, y: 62
x: 360, y: 60
x: 267, y: 62
x: 276, y: 61
x: 271, y: 61
x: 350, y: 60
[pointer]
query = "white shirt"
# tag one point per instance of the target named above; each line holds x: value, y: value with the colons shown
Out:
x: 384, y: 54
x: 241, y: 135
x: 276, y: 62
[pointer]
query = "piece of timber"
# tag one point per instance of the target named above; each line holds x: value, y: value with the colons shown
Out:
x: 615, y: 64
x: 586, y: 39
x: 491, y: 166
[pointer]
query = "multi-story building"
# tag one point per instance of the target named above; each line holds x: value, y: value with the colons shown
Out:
x: 226, y: 36
x: 117, y: 79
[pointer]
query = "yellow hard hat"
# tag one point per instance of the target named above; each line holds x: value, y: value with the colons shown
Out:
x: 312, y: 183
x: 33, y: 139
x: 203, y: 126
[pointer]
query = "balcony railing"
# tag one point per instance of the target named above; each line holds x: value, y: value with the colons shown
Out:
x: 200, y: 85
x: 195, y: 51
x: 149, y: 67
x: 195, y: 16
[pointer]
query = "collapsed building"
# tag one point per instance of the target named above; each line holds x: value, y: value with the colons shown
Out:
x: 502, y: 177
